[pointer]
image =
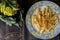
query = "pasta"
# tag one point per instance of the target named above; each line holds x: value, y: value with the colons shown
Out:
x: 44, y: 20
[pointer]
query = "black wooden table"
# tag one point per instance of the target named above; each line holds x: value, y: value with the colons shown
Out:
x: 14, y: 33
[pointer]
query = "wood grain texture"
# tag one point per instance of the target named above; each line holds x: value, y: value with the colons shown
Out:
x: 9, y: 33
x: 14, y: 33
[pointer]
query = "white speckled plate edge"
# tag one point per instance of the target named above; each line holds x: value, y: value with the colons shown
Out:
x: 55, y: 7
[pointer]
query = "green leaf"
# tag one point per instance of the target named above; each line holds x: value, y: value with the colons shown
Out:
x: 12, y: 5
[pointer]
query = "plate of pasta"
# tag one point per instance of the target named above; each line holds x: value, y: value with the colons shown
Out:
x: 42, y: 20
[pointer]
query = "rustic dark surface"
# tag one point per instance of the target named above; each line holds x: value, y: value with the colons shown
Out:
x: 14, y: 33
x: 9, y: 33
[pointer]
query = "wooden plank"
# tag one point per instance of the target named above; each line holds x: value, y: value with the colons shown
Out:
x: 22, y: 30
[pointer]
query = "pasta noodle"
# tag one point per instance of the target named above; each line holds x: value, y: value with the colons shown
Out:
x: 44, y: 20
